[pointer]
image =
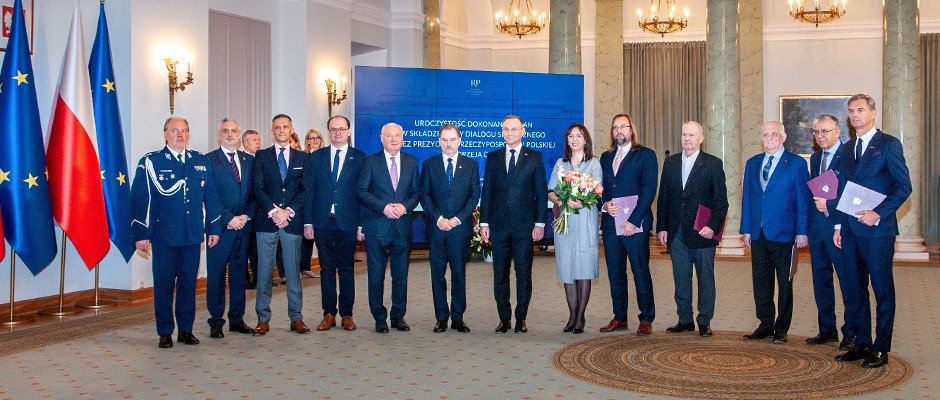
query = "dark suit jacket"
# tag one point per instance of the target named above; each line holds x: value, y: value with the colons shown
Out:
x: 459, y: 200
x: 678, y: 207
x: 820, y: 225
x: 375, y: 191
x: 783, y: 209
x: 514, y: 202
x: 324, y: 194
x: 235, y: 198
x: 271, y: 191
x: 882, y: 169
x: 637, y: 176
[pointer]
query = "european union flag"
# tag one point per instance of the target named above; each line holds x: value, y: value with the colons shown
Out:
x: 24, y: 189
x: 117, y: 194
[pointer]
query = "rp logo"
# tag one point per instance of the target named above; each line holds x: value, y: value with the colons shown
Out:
x: 475, y: 82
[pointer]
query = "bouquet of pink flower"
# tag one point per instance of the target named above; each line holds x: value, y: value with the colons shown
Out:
x: 574, y: 185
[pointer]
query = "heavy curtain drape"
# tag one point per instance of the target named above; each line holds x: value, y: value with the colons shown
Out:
x: 664, y: 86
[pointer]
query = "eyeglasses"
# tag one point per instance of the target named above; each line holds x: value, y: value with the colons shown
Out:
x: 177, y: 131
x: 338, y: 130
x: 822, y: 131
x: 513, y: 130
x: 620, y: 127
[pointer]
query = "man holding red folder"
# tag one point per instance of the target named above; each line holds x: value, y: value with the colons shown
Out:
x: 691, y: 210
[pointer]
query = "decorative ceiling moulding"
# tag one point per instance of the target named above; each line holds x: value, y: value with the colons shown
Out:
x: 371, y: 15
x: 827, y: 31
x: 408, y: 20
x: 485, y: 42
x: 632, y: 35
x: 345, y: 5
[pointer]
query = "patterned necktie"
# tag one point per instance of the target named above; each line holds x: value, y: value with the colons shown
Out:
x: 618, y: 160
x: 450, y: 172
x: 822, y: 163
x: 394, y: 172
x: 179, y: 157
x: 766, y: 172
x: 858, y: 150
x: 231, y: 159
x: 512, y: 162
x: 336, y: 166
x: 282, y: 163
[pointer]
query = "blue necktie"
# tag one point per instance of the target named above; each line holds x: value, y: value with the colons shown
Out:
x: 450, y: 172
x: 766, y: 172
x: 336, y: 166
x: 512, y: 162
x: 858, y: 150
x: 282, y: 163
x: 179, y: 157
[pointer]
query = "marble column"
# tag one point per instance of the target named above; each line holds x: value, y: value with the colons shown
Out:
x: 432, y: 34
x: 723, y: 110
x: 564, y: 40
x: 901, y: 110
x: 608, y: 70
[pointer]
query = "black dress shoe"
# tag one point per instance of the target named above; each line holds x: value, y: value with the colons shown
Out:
x: 460, y: 326
x: 759, y: 334
x: 166, y: 341
x: 847, y: 343
x: 440, y: 326
x: 577, y: 331
x: 503, y: 326
x: 381, y: 327
x: 780, y: 338
x: 401, y: 325
x: 215, y: 332
x: 680, y: 327
x: 187, y: 337
x: 823, y: 338
x: 875, y: 359
x: 705, y: 331
x: 240, y: 327
x: 853, y: 354
x: 520, y: 326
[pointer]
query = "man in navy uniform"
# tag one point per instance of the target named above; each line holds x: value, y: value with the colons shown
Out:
x: 173, y: 184
x: 450, y: 189
x: 231, y: 171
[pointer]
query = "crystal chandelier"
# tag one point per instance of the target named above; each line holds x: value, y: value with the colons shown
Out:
x: 520, y: 23
x: 660, y: 24
x: 816, y: 15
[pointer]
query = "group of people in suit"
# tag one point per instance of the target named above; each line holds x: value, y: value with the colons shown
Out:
x: 341, y: 195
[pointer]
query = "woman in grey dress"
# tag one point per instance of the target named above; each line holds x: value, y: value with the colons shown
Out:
x: 576, y: 251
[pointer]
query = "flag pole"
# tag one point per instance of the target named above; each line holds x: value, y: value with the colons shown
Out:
x: 62, y: 310
x: 98, y: 304
x: 14, y: 319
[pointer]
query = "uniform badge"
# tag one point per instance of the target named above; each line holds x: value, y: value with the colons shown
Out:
x: 168, y: 156
x: 172, y: 176
x: 199, y: 168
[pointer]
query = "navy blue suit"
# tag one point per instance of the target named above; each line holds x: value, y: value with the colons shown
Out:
x: 235, y: 198
x: 869, y: 250
x: 636, y: 176
x: 173, y: 196
x: 451, y: 247
x: 774, y: 217
x: 826, y: 257
x: 511, y: 205
x: 386, y: 238
x: 333, y: 212
x: 270, y: 190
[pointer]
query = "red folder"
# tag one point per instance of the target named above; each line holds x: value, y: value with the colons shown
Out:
x: 702, y: 217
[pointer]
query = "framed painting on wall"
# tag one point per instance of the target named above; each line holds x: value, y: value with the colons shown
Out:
x: 7, y: 13
x: 798, y: 112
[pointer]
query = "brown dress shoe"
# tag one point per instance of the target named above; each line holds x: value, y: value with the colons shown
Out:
x: 645, y: 329
x: 299, y: 326
x: 348, y: 323
x: 614, y: 325
x: 262, y: 328
x: 328, y: 322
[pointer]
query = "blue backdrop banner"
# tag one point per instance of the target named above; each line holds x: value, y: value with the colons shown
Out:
x: 421, y: 100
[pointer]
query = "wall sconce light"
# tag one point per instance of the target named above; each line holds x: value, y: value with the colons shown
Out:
x: 332, y: 97
x: 175, y: 84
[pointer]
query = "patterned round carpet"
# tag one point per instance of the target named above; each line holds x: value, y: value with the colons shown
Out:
x: 724, y: 367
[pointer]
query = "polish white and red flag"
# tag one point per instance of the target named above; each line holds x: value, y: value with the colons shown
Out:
x: 72, y: 156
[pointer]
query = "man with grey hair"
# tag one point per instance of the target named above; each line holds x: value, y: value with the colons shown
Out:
x: 251, y: 143
x: 867, y: 237
x: 231, y: 171
x: 388, y: 192
x: 824, y: 255
x: 691, y: 180
x: 775, y: 215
